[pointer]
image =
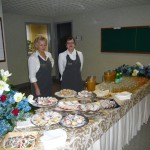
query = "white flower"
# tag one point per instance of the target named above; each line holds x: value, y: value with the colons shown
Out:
x: 3, y: 87
x: 139, y: 65
x: 135, y: 72
x: 18, y: 96
x: 30, y: 98
x: 5, y: 74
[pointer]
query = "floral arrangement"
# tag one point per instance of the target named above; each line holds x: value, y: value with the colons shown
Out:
x: 14, y: 105
x: 136, y: 70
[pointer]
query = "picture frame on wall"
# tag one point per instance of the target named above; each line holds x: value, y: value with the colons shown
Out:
x: 2, y: 51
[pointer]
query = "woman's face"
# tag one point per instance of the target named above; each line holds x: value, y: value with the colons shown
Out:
x: 42, y: 46
x: 70, y: 45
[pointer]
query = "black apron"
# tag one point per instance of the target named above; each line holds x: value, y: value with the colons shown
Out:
x: 71, y: 78
x: 44, y: 78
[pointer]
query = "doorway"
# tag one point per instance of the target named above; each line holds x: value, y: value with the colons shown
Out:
x: 34, y: 30
x: 63, y: 30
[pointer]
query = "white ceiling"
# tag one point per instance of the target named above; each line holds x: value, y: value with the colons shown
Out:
x: 53, y: 8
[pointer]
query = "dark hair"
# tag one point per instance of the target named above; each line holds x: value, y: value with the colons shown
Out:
x: 70, y: 38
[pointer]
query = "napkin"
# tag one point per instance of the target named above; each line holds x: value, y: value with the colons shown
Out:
x: 101, y: 93
x: 54, y: 139
x: 123, y: 95
x: 24, y: 124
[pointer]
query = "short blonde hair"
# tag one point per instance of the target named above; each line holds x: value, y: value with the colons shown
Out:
x: 37, y: 40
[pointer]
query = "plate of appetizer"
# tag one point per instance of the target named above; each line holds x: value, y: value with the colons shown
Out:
x: 44, y: 102
x: 66, y: 93
x: 90, y: 107
x: 46, y: 118
x: 103, y: 94
x: 67, y: 106
x: 20, y: 140
x: 74, y: 121
x: 85, y: 95
x: 109, y: 103
x: 96, y: 106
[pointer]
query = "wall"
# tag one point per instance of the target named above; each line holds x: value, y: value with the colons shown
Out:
x: 3, y: 65
x: 86, y: 25
x: 16, y: 45
x: 89, y: 25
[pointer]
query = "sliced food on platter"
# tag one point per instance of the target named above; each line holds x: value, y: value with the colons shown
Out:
x: 66, y: 93
x: 103, y: 94
x: 85, y: 94
x: 20, y: 140
x: 68, y: 105
x: 44, y: 101
x: 46, y: 118
x: 73, y: 121
x: 95, y: 106
x: 110, y: 103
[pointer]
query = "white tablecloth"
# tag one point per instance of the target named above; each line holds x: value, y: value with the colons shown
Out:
x: 126, y: 128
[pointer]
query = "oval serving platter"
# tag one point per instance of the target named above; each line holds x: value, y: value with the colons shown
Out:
x: 74, y: 121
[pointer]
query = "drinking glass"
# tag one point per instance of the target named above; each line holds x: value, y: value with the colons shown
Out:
x: 91, y: 82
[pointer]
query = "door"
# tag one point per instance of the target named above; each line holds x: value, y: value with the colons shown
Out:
x: 63, y: 31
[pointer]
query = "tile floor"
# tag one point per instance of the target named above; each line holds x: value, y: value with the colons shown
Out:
x: 142, y: 140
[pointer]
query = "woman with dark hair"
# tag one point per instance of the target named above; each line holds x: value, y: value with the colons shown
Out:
x: 40, y: 65
x: 70, y: 64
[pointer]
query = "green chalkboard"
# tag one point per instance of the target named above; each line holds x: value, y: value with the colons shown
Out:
x: 126, y: 40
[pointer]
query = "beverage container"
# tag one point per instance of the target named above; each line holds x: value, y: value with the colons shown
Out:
x: 120, y: 78
x: 112, y: 74
x: 91, y: 82
x: 117, y: 77
x: 107, y: 76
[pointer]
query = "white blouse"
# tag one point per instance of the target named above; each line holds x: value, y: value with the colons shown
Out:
x: 62, y: 59
x: 34, y: 64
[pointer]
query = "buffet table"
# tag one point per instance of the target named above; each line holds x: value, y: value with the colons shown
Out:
x: 108, y: 129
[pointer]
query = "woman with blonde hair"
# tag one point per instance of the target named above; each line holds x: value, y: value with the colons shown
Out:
x: 40, y: 65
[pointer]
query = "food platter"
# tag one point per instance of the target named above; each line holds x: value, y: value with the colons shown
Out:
x: 85, y: 95
x: 74, y: 121
x: 67, y: 106
x: 20, y: 140
x: 109, y: 103
x: 44, y: 102
x: 66, y: 93
x: 103, y: 94
x: 46, y: 118
x: 90, y: 107
x: 98, y: 105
